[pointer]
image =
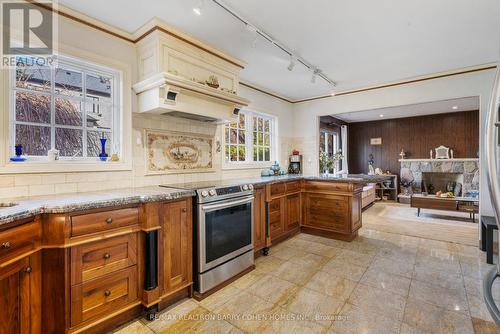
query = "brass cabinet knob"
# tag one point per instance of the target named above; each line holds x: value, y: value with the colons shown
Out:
x: 28, y: 270
x: 107, y: 293
x: 184, y: 210
x: 106, y: 256
x: 109, y: 220
x: 6, y: 245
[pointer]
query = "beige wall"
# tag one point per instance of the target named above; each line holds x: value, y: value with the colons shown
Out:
x: 86, y: 41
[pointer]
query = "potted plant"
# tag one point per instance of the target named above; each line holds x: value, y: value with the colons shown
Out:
x: 327, y: 162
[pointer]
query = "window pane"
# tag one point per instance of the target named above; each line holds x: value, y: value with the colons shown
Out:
x: 255, y: 124
x: 226, y: 134
x: 227, y: 152
x: 32, y: 108
x: 241, y: 153
x: 35, y: 78
x: 34, y: 139
x: 330, y: 143
x: 266, y: 140
x: 68, y: 82
x: 260, y: 124
x: 255, y: 138
x: 261, y: 154
x: 322, y: 142
x: 242, y: 121
x: 260, y: 138
x: 266, y: 125
x: 99, y: 116
x: 255, y: 156
x: 233, y: 153
x: 69, y: 142
x: 241, y: 137
x: 99, y: 88
x: 234, y: 136
x: 68, y: 112
x: 267, y: 154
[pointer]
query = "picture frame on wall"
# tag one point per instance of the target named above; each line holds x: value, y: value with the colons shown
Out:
x: 376, y: 141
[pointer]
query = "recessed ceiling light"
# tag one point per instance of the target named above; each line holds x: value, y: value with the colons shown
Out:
x: 381, y: 115
x: 332, y: 93
x: 454, y: 107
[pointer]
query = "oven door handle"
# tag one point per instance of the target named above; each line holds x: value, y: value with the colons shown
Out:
x: 226, y: 204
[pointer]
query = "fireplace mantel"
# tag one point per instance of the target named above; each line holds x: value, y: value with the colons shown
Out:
x: 439, y: 160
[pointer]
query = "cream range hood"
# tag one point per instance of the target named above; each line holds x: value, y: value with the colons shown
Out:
x: 174, y: 72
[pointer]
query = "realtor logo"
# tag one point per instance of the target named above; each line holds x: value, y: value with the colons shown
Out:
x: 27, y: 29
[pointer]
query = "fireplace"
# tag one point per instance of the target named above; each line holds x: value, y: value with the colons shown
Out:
x: 444, y: 182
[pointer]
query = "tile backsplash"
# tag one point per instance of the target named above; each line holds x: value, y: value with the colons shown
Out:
x: 20, y: 185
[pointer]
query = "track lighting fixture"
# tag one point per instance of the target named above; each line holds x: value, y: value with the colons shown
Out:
x: 294, y: 58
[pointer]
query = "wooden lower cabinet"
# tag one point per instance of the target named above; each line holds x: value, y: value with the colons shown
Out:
x: 259, y: 216
x: 20, y: 296
x: 175, y: 247
x: 332, y: 210
x: 292, y: 218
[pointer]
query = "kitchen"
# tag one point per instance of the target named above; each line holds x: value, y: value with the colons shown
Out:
x: 131, y: 186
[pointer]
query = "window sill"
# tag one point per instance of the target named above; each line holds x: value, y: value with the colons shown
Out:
x: 63, y: 166
x: 229, y: 166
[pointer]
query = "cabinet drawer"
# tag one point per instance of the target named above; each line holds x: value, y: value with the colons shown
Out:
x: 103, y: 221
x: 278, y: 189
x: 292, y: 186
x: 18, y: 240
x: 104, y: 295
x: 432, y: 203
x: 312, y: 186
x: 102, y: 257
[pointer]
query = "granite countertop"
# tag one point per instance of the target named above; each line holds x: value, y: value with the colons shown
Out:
x: 31, y: 206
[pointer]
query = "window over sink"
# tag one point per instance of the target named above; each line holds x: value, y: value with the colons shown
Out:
x: 69, y: 107
x: 250, y: 139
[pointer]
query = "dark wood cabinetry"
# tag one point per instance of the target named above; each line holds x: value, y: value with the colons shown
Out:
x: 284, y: 214
x: 175, y: 247
x: 259, y: 216
x: 20, y: 296
x: 332, y: 209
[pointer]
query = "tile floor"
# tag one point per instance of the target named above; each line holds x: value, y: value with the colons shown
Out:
x: 379, y: 283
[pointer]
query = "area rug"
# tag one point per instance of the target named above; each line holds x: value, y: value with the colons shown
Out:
x: 432, y: 224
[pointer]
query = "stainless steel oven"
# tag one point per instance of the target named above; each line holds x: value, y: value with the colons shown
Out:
x: 225, y: 231
x: 223, y: 238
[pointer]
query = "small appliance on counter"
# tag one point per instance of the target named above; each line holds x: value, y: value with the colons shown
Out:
x: 295, y: 165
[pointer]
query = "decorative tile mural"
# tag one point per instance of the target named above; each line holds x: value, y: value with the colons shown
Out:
x: 174, y: 152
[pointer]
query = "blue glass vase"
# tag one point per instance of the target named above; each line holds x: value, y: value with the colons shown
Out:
x: 103, y: 155
x: 19, y: 154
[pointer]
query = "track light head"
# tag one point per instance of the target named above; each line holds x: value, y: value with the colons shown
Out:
x: 315, y: 72
x: 292, y: 63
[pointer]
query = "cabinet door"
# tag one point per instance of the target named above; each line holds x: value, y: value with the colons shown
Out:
x: 20, y: 306
x: 277, y: 217
x: 176, y: 245
x: 292, y: 211
x: 259, y: 216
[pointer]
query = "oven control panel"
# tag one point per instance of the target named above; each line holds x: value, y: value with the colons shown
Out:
x: 228, y: 190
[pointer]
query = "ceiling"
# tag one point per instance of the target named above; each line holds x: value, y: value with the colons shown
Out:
x: 357, y: 43
x: 420, y: 109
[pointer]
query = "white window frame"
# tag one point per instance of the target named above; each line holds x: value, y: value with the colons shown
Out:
x: 249, y: 162
x: 86, y: 68
x: 335, y: 143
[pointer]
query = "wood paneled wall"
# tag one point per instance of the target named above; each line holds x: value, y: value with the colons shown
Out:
x: 416, y: 135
